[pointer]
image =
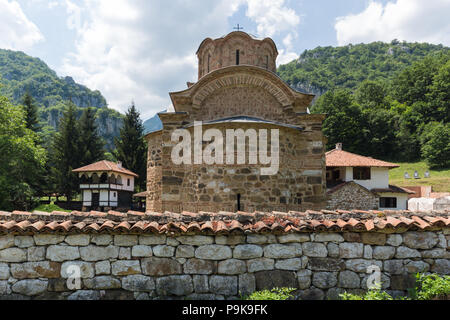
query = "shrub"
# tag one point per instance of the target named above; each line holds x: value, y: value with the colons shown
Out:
x: 274, y: 294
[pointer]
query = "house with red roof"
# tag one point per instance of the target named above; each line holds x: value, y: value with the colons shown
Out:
x: 359, y: 182
x: 105, y: 185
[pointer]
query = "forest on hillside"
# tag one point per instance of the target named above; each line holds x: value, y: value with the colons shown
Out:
x: 21, y: 74
x: 389, y: 101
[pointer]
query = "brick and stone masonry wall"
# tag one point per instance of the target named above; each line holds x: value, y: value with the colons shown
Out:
x: 127, y: 266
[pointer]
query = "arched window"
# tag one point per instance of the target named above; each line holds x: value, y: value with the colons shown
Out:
x: 104, y: 178
x: 112, y: 179
x: 237, y: 57
x: 95, y: 178
x: 209, y: 60
x: 119, y: 180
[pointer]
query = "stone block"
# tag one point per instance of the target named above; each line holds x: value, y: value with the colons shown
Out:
x: 33, y: 270
x: 174, y: 285
x: 199, y: 266
x: 275, y: 279
x: 311, y: 294
x: 102, y: 283
x: 351, y: 250
x: 232, y: 266
x: 247, y: 251
x: 417, y: 266
x: 30, y: 287
x: 420, y: 240
x: 6, y: 241
x: 326, y: 264
x: 125, y: 240
x: 393, y: 266
x: 230, y: 240
x: 13, y: 255
x: 102, y: 239
x: 435, y: 253
x: 349, y: 279
x: 261, y: 238
x: 84, y: 295
x: 201, y: 283
x: 96, y: 253
x: 62, y: 253
x: 304, y: 278
x: 102, y: 268
x: 36, y: 254
x: 368, y: 252
x: 154, y: 266
x: 294, y: 238
x: 394, y: 240
x: 373, y: 238
x: 141, y: 251
x: 196, y: 240
x: 47, y: 239
x: 124, y: 253
x: 163, y: 251
x: 281, y: 251
x: 405, y: 252
x: 293, y: 264
x: 185, y: 251
x: 383, y: 252
x: 78, y: 239
x: 226, y: 285
x: 328, y: 237
x: 260, y: 264
x: 312, y: 249
x: 333, y: 250
x: 23, y: 241
x: 403, y: 282
x: 125, y: 267
x: 361, y: 265
x: 152, y: 239
x: 4, y: 271
x: 352, y: 236
x: 138, y: 283
x: 247, y: 283
x: 213, y: 252
x: 441, y: 266
x: 324, y: 280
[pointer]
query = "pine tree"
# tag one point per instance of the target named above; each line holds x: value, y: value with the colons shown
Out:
x: 31, y: 112
x: 131, y: 149
x: 65, y: 153
x: 90, y: 144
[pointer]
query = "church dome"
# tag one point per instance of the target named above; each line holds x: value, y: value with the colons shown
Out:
x: 236, y: 48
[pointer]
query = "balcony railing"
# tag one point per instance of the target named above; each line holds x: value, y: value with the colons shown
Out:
x: 111, y: 186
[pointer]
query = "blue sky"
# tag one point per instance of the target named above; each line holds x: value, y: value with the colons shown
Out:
x: 140, y: 50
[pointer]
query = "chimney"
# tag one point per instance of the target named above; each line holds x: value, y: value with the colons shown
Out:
x: 119, y: 164
x: 339, y: 146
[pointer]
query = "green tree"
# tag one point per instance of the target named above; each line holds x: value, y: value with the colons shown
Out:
x: 66, y: 153
x: 439, y: 96
x: 131, y: 149
x: 21, y: 158
x: 91, y: 146
x: 344, y: 120
x: 435, y: 142
x: 31, y: 112
x: 371, y: 94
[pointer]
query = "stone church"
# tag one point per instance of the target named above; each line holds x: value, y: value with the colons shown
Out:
x: 238, y: 88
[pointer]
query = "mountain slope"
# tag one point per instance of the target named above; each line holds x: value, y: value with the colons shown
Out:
x: 321, y: 69
x: 20, y: 73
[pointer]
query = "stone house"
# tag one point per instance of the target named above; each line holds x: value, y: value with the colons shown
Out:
x: 358, y: 182
x: 105, y: 185
x: 238, y: 89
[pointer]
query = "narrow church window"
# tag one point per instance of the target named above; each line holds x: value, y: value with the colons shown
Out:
x: 209, y: 58
x: 238, y: 202
x: 128, y: 182
x: 267, y: 62
x: 237, y: 57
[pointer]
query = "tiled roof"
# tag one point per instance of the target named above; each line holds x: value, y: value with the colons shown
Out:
x: 220, y: 222
x: 393, y: 189
x: 105, y: 165
x: 341, y: 158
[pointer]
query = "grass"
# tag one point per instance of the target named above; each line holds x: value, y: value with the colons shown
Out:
x: 49, y: 208
x: 439, y: 179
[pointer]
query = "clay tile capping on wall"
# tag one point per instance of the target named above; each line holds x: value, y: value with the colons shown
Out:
x: 222, y: 222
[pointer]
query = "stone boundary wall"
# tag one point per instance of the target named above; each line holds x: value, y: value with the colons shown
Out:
x: 196, y: 266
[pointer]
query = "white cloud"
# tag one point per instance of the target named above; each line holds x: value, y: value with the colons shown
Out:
x: 410, y: 20
x: 141, y: 50
x: 17, y: 32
